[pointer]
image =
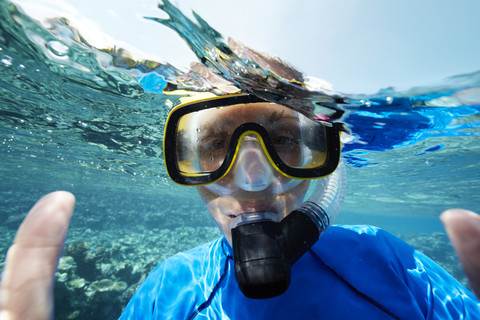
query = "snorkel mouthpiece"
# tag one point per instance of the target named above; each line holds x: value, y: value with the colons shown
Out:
x: 264, y: 249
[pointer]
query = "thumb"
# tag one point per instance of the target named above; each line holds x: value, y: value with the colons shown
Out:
x: 463, y: 229
x: 28, y: 276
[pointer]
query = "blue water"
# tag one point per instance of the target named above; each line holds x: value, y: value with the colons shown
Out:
x: 77, y: 118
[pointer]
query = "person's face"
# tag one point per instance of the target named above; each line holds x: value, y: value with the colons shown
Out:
x: 241, y: 198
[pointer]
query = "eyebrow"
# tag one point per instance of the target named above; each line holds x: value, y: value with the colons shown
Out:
x: 276, y: 116
x: 210, y: 123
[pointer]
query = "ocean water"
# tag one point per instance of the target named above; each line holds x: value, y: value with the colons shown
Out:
x: 90, y: 121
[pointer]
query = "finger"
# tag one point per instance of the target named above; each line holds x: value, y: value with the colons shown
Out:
x: 463, y: 229
x: 27, y: 279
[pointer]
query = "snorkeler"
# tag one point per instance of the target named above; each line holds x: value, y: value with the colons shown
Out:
x: 254, y: 162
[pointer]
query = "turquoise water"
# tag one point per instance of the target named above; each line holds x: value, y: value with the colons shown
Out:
x: 76, y: 118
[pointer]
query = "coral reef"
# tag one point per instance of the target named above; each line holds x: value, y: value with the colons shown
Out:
x: 96, y: 278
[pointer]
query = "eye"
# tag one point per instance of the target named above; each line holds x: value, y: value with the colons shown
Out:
x: 217, y: 144
x: 285, y: 142
x: 282, y: 140
x: 214, y: 143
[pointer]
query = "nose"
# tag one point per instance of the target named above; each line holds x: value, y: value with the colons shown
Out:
x: 252, y: 170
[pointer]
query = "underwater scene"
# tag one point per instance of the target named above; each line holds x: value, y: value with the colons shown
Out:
x: 90, y: 120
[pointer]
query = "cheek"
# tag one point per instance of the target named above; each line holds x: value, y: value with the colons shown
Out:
x: 294, y: 198
x: 291, y: 157
x: 214, y: 205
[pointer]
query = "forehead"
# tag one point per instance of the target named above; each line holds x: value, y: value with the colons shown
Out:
x: 248, y: 112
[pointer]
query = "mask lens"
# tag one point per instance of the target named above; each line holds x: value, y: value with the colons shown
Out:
x: 202, y: 141
x: 204, y: 137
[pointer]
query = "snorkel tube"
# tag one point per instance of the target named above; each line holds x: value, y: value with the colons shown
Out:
x: 264, y: 249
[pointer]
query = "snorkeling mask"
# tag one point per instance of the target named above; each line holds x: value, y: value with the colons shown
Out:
x: 268, y: 148
x: 202, y: 139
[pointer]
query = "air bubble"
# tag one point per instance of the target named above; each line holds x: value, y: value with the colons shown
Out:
x: 58, y: 48
x: 6, y: 60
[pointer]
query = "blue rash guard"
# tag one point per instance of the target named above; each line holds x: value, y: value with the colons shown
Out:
x: 352, y: 272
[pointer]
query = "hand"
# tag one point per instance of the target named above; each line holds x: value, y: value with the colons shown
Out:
x: 26, y: 288
x: 463, y: 229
